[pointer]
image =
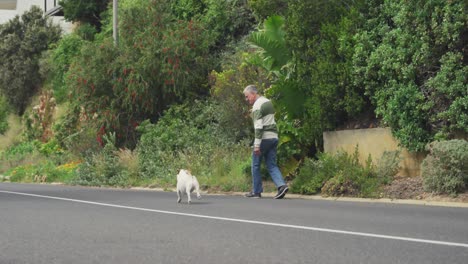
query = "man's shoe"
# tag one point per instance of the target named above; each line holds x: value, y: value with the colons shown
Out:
x: 282, y: 190
x: 253, y: 195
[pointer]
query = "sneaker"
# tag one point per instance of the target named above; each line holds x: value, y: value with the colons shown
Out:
x: 282, y: 190
x: 253, y: 195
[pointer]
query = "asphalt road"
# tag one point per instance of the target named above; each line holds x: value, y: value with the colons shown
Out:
x: 61, y: 224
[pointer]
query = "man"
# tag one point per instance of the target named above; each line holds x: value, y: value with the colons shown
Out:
x: 265, y: 144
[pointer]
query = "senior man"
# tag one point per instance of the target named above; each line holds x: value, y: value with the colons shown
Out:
x: 265, y: 144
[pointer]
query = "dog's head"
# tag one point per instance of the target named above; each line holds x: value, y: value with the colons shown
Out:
x: 183, y: 172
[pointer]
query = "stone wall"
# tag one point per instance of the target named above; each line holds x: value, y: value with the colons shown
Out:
x: 373, y: 141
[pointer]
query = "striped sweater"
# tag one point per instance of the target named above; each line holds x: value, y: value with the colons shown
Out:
x: 263, y: 115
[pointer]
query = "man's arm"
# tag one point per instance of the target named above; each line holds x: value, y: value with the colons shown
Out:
x: 258, y: 126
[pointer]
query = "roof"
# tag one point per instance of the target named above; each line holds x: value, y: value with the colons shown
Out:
x: 55, y: 11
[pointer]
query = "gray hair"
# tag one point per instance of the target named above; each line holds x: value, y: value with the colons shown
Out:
x: 251, y: 89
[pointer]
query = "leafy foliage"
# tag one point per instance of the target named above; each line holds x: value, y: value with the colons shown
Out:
x: 152, y: 68
x: 351, y: 178
x: 178, y: 132
x: 445, y: 169
x: 22, y: 40
x: 448, y: 99
x: 31, y: 154
x: 322, y: 46
x: 409, y: 59
x: 226, y: 90
x: 3, y: 115
x: 337, y: 175
x: 58, y: 63
x: 16, y: 154
x: 102, y: 168
x: 314, y: 174
x: 272, y: 44
x: 84, y: 11
x: 193, y: 140
x: 263, y: 9
x: 227, y: 21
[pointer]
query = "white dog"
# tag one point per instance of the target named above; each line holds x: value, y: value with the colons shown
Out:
x: 187, y: 183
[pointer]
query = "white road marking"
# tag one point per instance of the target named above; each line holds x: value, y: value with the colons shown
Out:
x: 327, y: 230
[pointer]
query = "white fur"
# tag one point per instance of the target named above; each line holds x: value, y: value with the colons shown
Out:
x: 187, y: 183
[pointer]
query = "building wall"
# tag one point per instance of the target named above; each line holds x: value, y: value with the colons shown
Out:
x: 373, y: 141
x: 25, y: 5
x: 8, y: 4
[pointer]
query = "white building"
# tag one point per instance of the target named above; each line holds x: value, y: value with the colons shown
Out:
x: 10, y: 8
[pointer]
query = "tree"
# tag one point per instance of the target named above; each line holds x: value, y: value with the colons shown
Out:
x: 85, y: 11
x: 22, y: 41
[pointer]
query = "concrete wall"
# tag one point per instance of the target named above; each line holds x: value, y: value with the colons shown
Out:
x: 373, y: 141
x: 25, y: 5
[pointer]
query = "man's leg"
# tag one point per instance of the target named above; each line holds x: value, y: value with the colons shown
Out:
x: 275, y: 173
x: 270, y: 159
x: 256, y: 174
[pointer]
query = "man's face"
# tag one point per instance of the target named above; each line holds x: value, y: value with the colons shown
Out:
x: 250, y: 97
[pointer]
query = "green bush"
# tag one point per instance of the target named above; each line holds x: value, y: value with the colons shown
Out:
x: 352, y: 178
x: 445, y: 169
x: 30, y: 158
x: 42, y: 171
x: 15, y: 155
x: 22, y: 173
x: 102, y: 168
x: 182, y: 130
x: 314, y: 174
x: 388, y: 166
x: 337, y: 175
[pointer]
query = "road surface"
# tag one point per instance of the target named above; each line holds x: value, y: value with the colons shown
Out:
x: 45, y: 224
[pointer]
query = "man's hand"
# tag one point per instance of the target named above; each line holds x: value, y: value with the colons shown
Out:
x: 257, y: 151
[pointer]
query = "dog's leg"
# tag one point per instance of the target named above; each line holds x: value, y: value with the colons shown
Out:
x: 188, y: 195
x: 197, y: 187
x: 179, y: 196
x: 197, y: 190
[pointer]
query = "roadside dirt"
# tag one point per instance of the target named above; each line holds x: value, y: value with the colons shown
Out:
x: 412, y: 188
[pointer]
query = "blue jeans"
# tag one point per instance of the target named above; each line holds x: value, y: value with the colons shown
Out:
x: 268, y: 150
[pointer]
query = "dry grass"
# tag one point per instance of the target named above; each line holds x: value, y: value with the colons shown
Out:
x: 129, y: 160
x: 61, y: 110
